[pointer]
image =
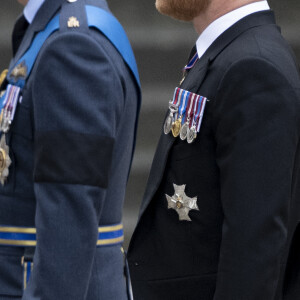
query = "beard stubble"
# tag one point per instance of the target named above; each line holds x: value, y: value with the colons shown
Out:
x: 184, y: 10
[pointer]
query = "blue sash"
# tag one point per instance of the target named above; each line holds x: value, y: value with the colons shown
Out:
x: 97, y: 18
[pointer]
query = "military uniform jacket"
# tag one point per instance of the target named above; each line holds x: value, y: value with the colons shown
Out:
x: 243, y: 243
x: 71, y: 145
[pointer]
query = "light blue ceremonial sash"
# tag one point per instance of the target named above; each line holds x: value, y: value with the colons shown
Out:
x: 97, y: 18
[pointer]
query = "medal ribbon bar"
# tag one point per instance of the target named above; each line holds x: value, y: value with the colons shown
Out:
x: 186, y: 114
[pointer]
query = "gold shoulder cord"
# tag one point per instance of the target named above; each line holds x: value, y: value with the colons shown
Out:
x: 3, y: 76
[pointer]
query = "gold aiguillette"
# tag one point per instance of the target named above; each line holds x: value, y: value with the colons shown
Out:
x: 3, y: 76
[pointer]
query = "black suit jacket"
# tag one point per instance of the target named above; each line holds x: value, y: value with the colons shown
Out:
x: 243, y: 168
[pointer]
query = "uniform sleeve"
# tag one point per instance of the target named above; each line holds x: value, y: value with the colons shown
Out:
x: 77, y: 100
x: 256, y: 129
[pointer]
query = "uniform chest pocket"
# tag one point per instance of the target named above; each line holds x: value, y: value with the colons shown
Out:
x: 22, y: 123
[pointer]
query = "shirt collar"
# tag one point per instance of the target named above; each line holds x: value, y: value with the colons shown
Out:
x: 31, y: 9
x: 216, y: 28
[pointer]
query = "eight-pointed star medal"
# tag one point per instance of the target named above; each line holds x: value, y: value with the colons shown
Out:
x: 182, y: 203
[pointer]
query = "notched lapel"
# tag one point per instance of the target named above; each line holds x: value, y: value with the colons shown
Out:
x: 43, y: 16
x: 192, y: 83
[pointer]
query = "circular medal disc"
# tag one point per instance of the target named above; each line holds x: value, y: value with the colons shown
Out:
x: 168, y: 125
x: 184, y: 131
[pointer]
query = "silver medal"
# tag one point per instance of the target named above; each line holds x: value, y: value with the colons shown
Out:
x: 168, y: 124
x: 5, y: 121
x: 191, y: 134
x: 169, y: 120
x: 184, y: 130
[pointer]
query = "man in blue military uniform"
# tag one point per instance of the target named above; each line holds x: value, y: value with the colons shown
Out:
x: 69, y: 108
x: 220, y: 219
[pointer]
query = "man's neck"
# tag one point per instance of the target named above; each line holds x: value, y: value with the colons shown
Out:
x: 217, y: 9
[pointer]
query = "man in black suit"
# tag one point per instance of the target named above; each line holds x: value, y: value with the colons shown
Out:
x: 221, y: 212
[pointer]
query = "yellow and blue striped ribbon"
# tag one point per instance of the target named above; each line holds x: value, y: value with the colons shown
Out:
x: 26, y: 237
x: 110, y: 235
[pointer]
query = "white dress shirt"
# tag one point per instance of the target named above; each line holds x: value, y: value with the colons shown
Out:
x: 31, y: 9
x: 216, y: 28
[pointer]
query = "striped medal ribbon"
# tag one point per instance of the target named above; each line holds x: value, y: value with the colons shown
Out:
x: 176, y: 128
x: 9, y: 100
x: 188, y: 116
x: 197, y: 119
x: 185, y: 116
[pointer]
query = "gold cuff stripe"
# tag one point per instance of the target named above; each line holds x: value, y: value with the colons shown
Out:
x: 18, y: 230
x: 33, y: 230
x: 33, y: 243
x: 110, y: 241
x: 17, y: 243
x: 110, y: 228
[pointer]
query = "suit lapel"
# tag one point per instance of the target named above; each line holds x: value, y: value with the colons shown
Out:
x: 43, y: 16
x: 192, y: 83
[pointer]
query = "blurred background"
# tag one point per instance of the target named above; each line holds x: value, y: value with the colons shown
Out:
x: 162, y: 46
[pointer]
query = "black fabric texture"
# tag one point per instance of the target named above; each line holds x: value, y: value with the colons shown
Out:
x: 63, y: 157
x: 18, y: 33
x: 244, y: 170
x: 171, y: 289
x: 291, y: 287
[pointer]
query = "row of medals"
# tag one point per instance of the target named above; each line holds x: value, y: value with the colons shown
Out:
x: 185, y: 131
x: 5, y: 160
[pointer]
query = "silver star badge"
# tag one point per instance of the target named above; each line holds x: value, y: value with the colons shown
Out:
x: 182, y: 203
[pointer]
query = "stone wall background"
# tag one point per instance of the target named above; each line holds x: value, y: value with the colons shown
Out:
x: 161, y: 46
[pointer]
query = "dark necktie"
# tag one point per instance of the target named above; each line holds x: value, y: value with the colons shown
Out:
x: 18, y: 33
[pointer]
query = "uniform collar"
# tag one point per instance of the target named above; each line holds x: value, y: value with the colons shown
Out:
x: 219, y: 26
x: 31, y: 9
x: 44, y: 14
